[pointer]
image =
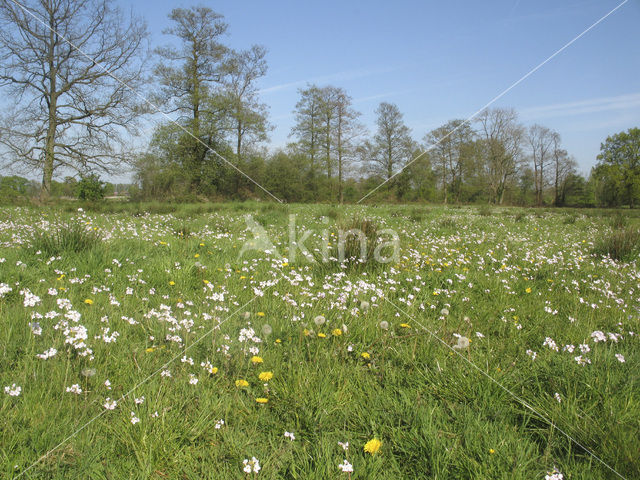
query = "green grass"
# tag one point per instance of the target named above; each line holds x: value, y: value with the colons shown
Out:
x: 516, y: 276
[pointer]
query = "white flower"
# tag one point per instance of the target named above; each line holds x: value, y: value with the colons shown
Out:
x: 110, y: 404
x: 139, y: 401
x: 620, y: 357
x: 479, y: 335
x: 548, y: 342
x: 107, y: 384
x: 252, y: 465
x: 598, y: 336
x: 344, y: 445
x: 192, y: 379
x: 346, y: 467
x: 582, y: 360
x: 289, y: 435
x: 584, y: 348
x: 75, y: 388
x: 165, y: 373
x: 532, y: 354
x: 134, y: 419
x: 219, y: 424
x: 557, y: 397
x: 47, y: 354
x: 554, y: 475
x: 13, y: 391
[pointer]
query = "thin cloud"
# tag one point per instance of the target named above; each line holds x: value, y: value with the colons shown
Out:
x: 334, y: 77
x: 583, y: 107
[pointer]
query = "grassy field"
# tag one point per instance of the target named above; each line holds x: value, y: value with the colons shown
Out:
x: 143, y: 345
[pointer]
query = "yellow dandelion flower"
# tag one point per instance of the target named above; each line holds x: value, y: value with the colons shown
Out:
x: 202, y: 244
x: 405, y: 325
x: 88, y: 301
x: 172, y: 283
x: 150, y: 349
x: 365, y: 355
x: 265, y: 376
x: 260, y: 314
x: 206, y: 282
x: 337, y: 332
x: 256, y: 360
x: 262, y: 400
x: 196, y: 255
x: 492, y: 451
x: 528, y: 290
x: 242, y: 383
x: 321, y: 335
x: 372, y: 446
x: 278, y: 340
x: 213, y: 370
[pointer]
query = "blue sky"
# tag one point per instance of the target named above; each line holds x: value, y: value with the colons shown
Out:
x: 443, y: 60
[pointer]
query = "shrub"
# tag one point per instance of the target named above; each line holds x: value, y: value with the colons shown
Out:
x: 90, y: 188
x: 622, y: 245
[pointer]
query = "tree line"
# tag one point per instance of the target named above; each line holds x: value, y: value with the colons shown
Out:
x: 77, y: 109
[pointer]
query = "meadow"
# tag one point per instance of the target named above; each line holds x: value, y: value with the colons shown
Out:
x: 158, y: 341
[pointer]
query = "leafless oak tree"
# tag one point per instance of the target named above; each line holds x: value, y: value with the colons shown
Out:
x: 69, y: 67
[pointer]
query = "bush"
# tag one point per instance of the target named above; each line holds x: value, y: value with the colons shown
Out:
x: 90, y: 188
x: 72, y: 238
x: 622, y: 245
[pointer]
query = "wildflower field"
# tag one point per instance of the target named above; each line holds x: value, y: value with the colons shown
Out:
x: 499, y: 343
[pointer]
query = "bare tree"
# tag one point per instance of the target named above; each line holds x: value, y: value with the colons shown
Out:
x: 501, y: 139
x: 248, y: 114
x: 393, y: 143
x: 563, y: 167
x: 449, y: 146
x: 72, y: 67
x: 347, y: 130
x: 187, y: 74
x: 541, y: 141
x: 307, y: 128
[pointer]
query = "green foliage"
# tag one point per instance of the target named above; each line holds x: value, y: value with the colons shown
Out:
x: 90, y: 188
x: 618, y: 169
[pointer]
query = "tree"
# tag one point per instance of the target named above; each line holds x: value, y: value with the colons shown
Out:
x: 346, y: 130
x: 392, y: 141
x: 248, y: 116
x: 564, y: 167
x: 619, y: 166
x: 307, y: 127
x: 72, y: 67
x: 541, y: 142
x: 450, y: 148
x: 187, y: 74
x: 90, y: 188
x: 501, y: 137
